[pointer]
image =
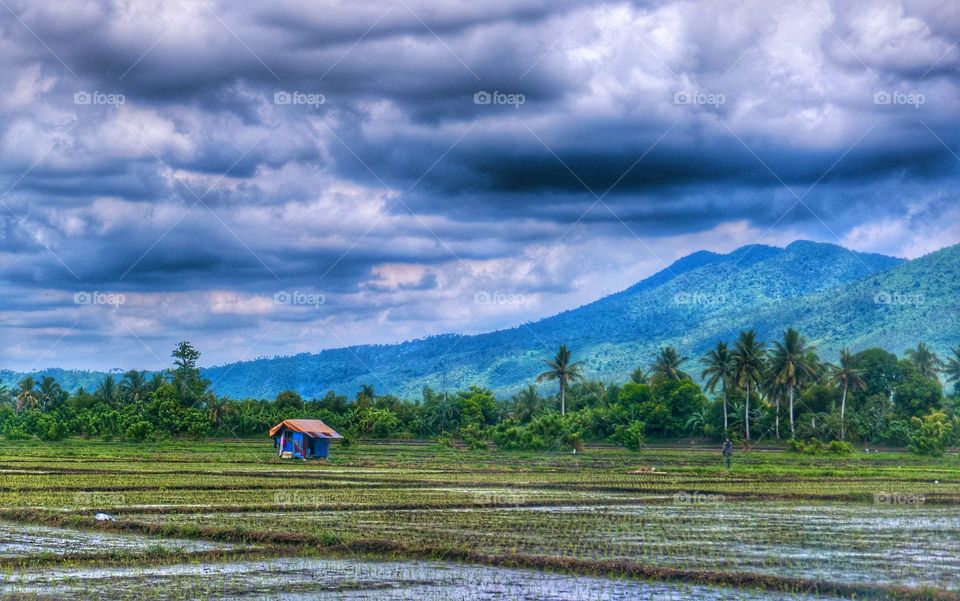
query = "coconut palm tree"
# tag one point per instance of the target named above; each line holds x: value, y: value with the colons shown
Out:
x: 526, y: 404
x: 134, y: 385
x: 791, y: 363
x: 156, y: 381
x: 638, y: 376
x: 749, y: 365
x: 925, y: 360
x: 50, y: 392
x: 952, y: 368
x: 697, y: 421
x: 775, y: 390
x: 218, y: 409
x: 848, y: 376
x: 6, y: 395
x: 667, y: 365
x: 563, y: 371
x: 718, y: 364
x: 443, y: 413
x: 107, y: 391
x: 27, y: 397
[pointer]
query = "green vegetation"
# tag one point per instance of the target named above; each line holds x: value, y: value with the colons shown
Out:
x: 871, y: 397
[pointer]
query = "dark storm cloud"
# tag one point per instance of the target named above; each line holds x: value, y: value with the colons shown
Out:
x: 396, y: 193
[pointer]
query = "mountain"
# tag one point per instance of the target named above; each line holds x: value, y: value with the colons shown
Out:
x: 697, y: 300
x: 834, y: 296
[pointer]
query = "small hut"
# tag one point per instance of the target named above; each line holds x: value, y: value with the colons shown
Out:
x: 302, y: 438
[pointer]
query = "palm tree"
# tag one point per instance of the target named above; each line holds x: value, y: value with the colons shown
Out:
x: 444, y: 412
x: 217, y: 409
x: 6, y: 395
x: 791, y: 363
x: 848, y: 376
x: 952, y: 368
x: 719, y: 366
x: 667, y: 365
x: 925, y: 360
x: 50, y: 391
x: 562, y: 370
x: 27, y: 395
x: 748, y: 366
x: 526, y: 404
x: 697, y: 421
x: 107, y: 391
x: 776, y: 391
x: 156, y: 381
x: 134, y: 385
x: 638, y: 376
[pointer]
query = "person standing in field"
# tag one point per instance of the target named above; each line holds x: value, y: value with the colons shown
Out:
x: 727, y: 451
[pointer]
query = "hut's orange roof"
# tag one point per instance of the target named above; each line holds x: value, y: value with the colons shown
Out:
x: 310, y: 427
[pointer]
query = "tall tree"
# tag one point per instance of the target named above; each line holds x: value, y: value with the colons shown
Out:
x: 366, y: 394
x: 925, y: 360
x: 6, y: 395
x: 526, y: 404
x: 107, y: 390
x: 155, y: 382
x: 719, y: 369
x: 638, y: 376
x: 191, y: 387
x: 50, y: 392
x: 563, y: 371
x: 667, y: 364
x: 775, y: 390
x: 748, y: 361
x: 791, y: 363
x: 27, y: 397
x: 846, y: 376
x: 133, y: 386
x: 952, y: 369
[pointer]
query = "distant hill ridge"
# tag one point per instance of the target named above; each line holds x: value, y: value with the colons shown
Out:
x: 834, y: 296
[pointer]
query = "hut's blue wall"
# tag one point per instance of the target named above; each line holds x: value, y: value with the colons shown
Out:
x: 297, y: 443
x: 320, y: 447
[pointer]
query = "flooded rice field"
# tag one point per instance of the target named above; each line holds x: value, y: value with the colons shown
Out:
x: 314, y: 579
x: 837, y: 542
x: 22, y: 540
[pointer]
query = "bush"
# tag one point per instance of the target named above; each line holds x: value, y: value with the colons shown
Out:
x: 138, y: 431
x: 17, y: 433
x: 815, y: 446
x: 631, y: 436
x: 549, y: 432
x: 931, y: 433
x: 811, y: 447
x: 474, y: 437
x: 839, y: 447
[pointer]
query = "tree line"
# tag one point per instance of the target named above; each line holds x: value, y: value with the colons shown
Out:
x: 751, y: 391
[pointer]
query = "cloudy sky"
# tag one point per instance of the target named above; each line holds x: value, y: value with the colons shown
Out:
x: 268, y: 178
